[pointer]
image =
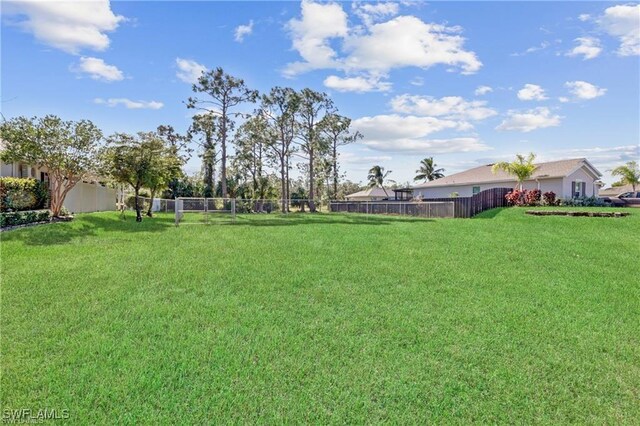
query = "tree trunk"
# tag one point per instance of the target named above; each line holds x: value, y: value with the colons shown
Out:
x: 283, y: 184
x: 312, y: 204
x: 335, y: 173
x: 137, y: 205
x: 149, y: 210
x: 223, y: 146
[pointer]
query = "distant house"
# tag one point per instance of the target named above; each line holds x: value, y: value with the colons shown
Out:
x: 85, y: 197
x: 566, y: 178
x: 370, y: 194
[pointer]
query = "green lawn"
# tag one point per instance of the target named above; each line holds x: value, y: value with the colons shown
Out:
x: 504, y: 318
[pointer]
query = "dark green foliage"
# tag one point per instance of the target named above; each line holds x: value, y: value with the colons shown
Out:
x: 23, y: 217
x: 18, y: 194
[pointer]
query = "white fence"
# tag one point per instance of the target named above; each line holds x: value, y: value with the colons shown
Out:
x: 89, y: 197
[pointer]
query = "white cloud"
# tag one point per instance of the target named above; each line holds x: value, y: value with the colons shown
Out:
x: 531, y: 92
x: 530, y: 120
x: 404, y: 41
x: 129, y: 104
x: 417, y: 81
x: 66, y: 25
x: 189, y: 71
x: 356, y: 84
x: 97, y: 69
x: 373, y: 12
x: 563, y: 99
x: 450, y: 107
x: 623, y: 22
x: 408, y: 134
x: 583, y: 90
x: 311, y: 34
x: 407, y: 41
x: 533, y: 49
x: 584, y: 17
x: 588, y: 47
x: 242, y: 31
x: 483, y: 90
x: 429, y: 146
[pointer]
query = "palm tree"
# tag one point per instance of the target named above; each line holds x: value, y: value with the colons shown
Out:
x: 629, y: 173
x: 522, y: 168
x: 428, y: 171
x: 377, y: 176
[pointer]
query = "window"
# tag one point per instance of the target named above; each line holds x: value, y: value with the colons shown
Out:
x: 476, y: 189
x: 578, y: 189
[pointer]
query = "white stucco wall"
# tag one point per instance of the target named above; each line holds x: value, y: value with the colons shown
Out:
x: 555, y: 185
x: 580, y: 175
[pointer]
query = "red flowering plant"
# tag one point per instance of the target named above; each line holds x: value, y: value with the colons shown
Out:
x: 532, y: 198
x: 549, y: 198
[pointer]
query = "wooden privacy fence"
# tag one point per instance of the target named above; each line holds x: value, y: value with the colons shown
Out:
x: 460, y: 207
x: 429, y: 209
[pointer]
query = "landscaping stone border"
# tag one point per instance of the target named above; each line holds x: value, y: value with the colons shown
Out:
x: 575, y: 213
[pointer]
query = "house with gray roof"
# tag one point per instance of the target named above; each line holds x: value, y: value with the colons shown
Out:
x: 571, y: 178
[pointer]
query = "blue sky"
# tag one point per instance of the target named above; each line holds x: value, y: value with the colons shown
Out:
x: 467, y: 83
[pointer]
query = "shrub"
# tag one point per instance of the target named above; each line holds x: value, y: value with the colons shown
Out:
x: 532, y: 198
x: 23, y: 217
x: 583, y: 202
x: 17, y: 194
x: 550, y: 198
x: 130, y: 202
x: 514, y: 198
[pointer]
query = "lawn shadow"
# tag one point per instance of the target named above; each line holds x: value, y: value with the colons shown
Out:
x: 490, y: 214
x: 83, y: 226
x: 295, y: 219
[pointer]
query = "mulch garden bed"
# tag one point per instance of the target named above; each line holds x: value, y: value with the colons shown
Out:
x: 575, y: 213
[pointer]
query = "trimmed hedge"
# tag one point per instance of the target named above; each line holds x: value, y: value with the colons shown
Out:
x: 18, y: 194
x: 24, y: 217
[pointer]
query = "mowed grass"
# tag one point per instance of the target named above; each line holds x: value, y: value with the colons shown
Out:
x: 504, y: 318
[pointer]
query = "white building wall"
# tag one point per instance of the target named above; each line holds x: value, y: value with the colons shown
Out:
x: 580, y: 175
x: 545, y: 185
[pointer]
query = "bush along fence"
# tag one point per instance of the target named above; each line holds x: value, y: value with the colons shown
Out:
x: 24, y: 217
x: 18, y: 194
x: 455, y: 207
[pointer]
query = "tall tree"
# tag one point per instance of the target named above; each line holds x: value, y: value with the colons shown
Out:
x: 335, y: 129
x: 204, y: 129
x: 428, y: 170
x: 313, y: 107
x: 629, y: 174
x: 136, y: 160
x: 67, y: 149
x: 280, y: 108
x: 225, y: 93
x: 173, y: 155
x: 251, y: 141
x: 377, y: 177
x: 522, y: 168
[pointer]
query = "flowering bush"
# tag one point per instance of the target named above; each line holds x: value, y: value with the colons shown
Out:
x: 550, y: 198
x: 532, y: 198
x: 523, y: 198
x: 514, y: 198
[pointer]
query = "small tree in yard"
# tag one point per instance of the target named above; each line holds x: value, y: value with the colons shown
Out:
x: 522, y: 168
x: 629, y: 173
x: 140, y: 161
x: 67, y: 149
x: 172, y: 157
